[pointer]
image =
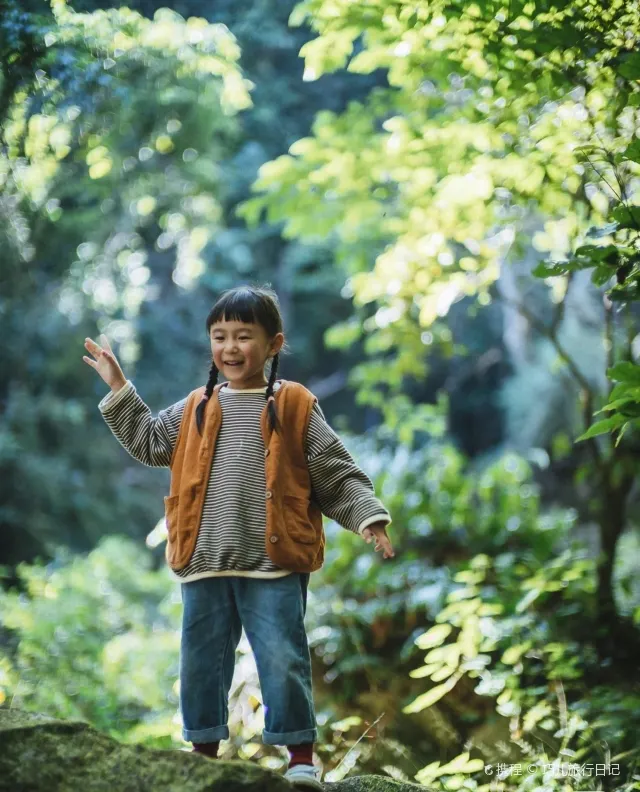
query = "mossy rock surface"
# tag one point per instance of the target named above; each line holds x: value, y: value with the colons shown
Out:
x: 43, y: 754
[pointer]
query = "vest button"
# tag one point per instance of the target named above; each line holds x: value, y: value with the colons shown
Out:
x: 269, y: 493
x: 266, y: 452
x: 273, y: 539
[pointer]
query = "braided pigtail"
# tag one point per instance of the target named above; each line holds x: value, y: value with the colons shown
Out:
x: 211, y: 383
x: 271, y: 401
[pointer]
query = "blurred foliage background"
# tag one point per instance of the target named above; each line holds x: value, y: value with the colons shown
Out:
x: 444, y: 196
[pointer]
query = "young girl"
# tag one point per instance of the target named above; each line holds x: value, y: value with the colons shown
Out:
x: 254, y: 466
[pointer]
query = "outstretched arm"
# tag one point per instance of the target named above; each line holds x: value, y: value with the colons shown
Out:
x: 148, y: 439
x: 342, y: 489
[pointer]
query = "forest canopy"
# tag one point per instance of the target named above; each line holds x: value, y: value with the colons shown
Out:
x: 444, y: 195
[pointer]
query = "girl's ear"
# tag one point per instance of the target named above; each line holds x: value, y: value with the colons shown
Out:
x: 277, y: 343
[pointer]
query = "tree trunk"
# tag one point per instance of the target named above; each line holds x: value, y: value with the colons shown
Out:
x: 616, y: 636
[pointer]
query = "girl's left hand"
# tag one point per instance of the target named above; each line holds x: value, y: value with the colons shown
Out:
x: 378, y: 532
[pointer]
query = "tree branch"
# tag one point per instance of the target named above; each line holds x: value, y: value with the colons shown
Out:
x: 551, y: 333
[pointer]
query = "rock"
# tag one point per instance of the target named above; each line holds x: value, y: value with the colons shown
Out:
x: 373, y: 783
x: 43, y: 754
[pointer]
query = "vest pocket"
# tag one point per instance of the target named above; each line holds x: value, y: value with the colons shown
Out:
x: 179, y: 548
x: 297, y: 521
x: 171, y: 514
x: 171, y: 519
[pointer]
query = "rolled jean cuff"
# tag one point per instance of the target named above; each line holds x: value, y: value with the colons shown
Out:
x: 214, y: 734
x: 290, y: 738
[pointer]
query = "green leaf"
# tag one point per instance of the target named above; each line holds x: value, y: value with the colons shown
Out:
x: 598, y: 252
x: 462, y: 764
x: 434, y: 636
x: 298, y: 15
x: 630, y: 66
x: 445, y: 654
x: 346, y: 723
x: 250, y: 210
x: 602, y: 427
x: 553, y: 269
x: 614, y: 405
x: 632, y: 152
x: 425, y: 670
x: 621, y: 433
x: 621, y: 390
x: 625, y: 371
x: 601, y: 275
x: 630, y: 409
x: 626, y: 215
x: 596, y: 232
x: 367, y: 61
x: 443, y: 673
x: 467, y: 576
x: 514, y: 653
x: 528, y: 598
x: 344, y: 334
x: 624, y: 294
x: 431, y: 696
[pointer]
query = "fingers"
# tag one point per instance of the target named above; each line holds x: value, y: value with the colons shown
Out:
x: 96, y: 350
x: 92, y: 347
x: 382, y: 543
x: 89, y: 361
x: 105, y: 343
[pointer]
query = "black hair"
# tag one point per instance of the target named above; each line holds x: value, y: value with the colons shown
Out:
x: 253, y: 305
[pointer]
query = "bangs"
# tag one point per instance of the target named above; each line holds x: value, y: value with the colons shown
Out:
x: 250, y: 305
x: 239, y: 306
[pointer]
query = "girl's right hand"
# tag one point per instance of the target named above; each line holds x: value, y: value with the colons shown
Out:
x: 105, y: 363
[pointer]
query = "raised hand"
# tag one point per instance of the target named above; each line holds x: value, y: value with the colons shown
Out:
x: 105, y: 362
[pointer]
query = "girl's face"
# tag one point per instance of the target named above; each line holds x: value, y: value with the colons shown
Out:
x: 248, y: 346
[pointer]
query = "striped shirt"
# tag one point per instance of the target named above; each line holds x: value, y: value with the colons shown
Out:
x: 231, y: 540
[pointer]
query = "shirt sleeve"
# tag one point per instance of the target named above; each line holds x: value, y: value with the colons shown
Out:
x: 149, y: 440
x: 342, y: 490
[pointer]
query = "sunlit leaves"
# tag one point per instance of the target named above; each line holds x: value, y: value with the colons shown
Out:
x: 506, y: 645
x: 86, y: 645
x: 99, y: 162
x: 434, y: 636
x: 328, y: 52
x: 485, y: 117
x: 429, y: 698
x: 457, y: 768
x: 200, y: 49
x: 133, y: 115
x: 514, y: 653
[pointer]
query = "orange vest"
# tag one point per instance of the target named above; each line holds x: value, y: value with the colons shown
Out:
x: 294, y: 537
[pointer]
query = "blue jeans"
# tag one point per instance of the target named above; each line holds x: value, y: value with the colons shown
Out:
x: 215, y: 609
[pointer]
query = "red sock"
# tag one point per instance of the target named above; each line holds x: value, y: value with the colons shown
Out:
x: 301, y: 754
x: 209, y: 749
